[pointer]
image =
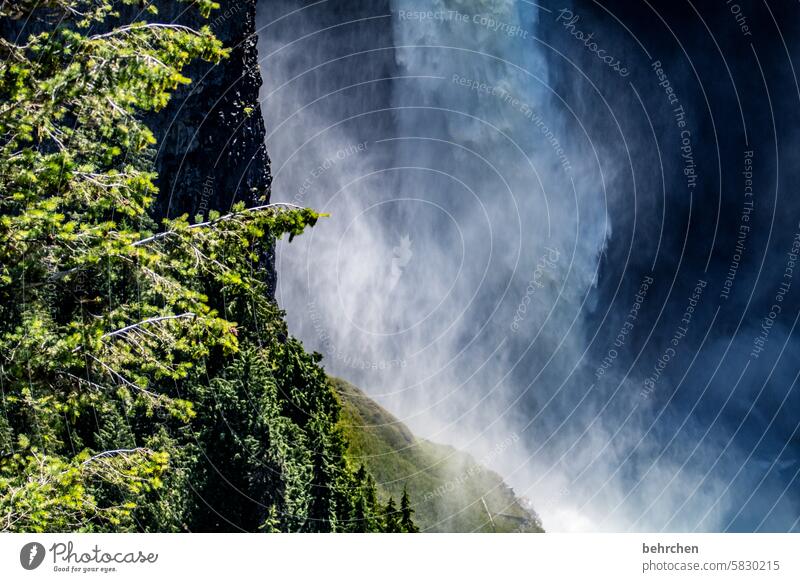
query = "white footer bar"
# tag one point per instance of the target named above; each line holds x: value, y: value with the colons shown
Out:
x: 415, y: 557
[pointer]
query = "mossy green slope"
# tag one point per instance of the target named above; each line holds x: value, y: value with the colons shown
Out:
x: 449, y: 491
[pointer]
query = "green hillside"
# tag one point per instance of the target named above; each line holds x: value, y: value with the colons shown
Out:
x: 449, y: 491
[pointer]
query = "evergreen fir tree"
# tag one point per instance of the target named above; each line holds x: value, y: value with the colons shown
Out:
x: 149, y: 380
x: 406, y: 514
x: 391, y: 518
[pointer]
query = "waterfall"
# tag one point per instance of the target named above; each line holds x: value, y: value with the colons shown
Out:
x: 475, y: 173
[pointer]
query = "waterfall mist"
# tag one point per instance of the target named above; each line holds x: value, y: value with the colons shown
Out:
x: 514, y: 244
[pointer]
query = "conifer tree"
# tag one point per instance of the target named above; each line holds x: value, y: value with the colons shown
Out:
x: 148, y: 379
x: 391, y: 518
x: 406, y: 514
x: 104, y: 315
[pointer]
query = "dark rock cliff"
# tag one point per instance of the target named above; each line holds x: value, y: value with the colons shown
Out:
x: 211, y: 149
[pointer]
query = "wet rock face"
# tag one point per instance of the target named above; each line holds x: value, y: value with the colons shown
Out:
x: 211, y: 137
x: 211, y: 150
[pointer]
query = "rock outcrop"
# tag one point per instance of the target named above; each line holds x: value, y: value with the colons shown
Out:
x: 211, y: 149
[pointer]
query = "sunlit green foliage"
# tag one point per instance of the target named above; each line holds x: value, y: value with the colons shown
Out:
x: 146, y: 373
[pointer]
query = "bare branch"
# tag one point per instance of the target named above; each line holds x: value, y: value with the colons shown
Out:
x: 124, y: 380
x: 147, y: 322
x: 143, y: 26
x: 116, y: 453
